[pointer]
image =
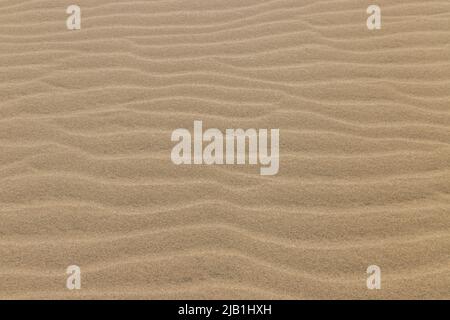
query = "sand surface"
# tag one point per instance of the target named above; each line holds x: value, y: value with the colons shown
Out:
x: 86, y: 175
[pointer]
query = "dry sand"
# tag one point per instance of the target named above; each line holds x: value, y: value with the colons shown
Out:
x: 86, y: 175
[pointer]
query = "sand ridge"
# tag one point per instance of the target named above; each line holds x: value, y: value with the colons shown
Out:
x: 86, y: 176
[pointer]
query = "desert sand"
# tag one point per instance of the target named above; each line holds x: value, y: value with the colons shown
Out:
x: 86, y: 176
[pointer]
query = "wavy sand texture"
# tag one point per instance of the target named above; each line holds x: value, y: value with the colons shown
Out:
x: 85, y: 169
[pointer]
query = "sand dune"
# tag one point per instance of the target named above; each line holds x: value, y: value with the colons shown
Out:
x: 86, y: 176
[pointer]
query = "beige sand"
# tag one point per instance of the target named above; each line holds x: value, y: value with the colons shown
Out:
x: 86, y: 175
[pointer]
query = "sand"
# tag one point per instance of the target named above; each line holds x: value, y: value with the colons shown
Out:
x: 86, y: 175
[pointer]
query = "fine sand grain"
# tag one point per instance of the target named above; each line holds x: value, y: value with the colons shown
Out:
x: 86, y: 176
